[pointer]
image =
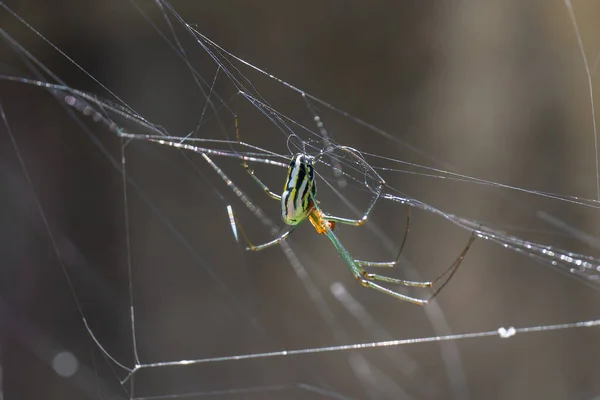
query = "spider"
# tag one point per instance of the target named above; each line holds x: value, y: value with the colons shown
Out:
x: 298, y: 204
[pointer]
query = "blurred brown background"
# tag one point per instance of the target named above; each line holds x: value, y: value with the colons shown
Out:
x: 495, y: 90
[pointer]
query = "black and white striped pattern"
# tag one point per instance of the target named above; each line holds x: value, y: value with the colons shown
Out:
x: 299, y: 190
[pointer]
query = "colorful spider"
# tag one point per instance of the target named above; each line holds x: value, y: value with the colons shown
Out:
x: 298, y: 203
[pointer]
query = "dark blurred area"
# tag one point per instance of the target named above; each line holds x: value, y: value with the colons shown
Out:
x: 495, y: 90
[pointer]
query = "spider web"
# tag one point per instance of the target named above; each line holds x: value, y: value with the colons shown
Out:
x: 124, y: 279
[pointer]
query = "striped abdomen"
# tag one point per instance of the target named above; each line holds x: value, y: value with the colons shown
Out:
x: 299, y: 191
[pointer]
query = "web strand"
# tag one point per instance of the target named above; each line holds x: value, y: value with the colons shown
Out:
x: 228, y: 91
x: 501, y: 332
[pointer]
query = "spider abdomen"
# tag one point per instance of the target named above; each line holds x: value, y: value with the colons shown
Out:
x: 299, y: 191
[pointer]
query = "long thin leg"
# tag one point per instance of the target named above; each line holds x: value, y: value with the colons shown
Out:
x: 367, y: 277
x: 403, y: 282
x: 395, y: 262
x: 268, y: 191
x: 262, y: 185
x: 355, y: 222
x: 272, y: 243
x: 363, y: 219
x: 263, y: 246
x: 372, y: 285
x: 453, y: 268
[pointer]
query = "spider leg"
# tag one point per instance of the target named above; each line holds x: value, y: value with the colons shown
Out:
x: 403, y: 282
x: 263, y: 246
x: 268, y: 191
x: 272, y: 243
x: 453, y: 268
x: 400, y: 296
x: 366, y: 279
x: 358, y: 222
x: 395, y: 262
